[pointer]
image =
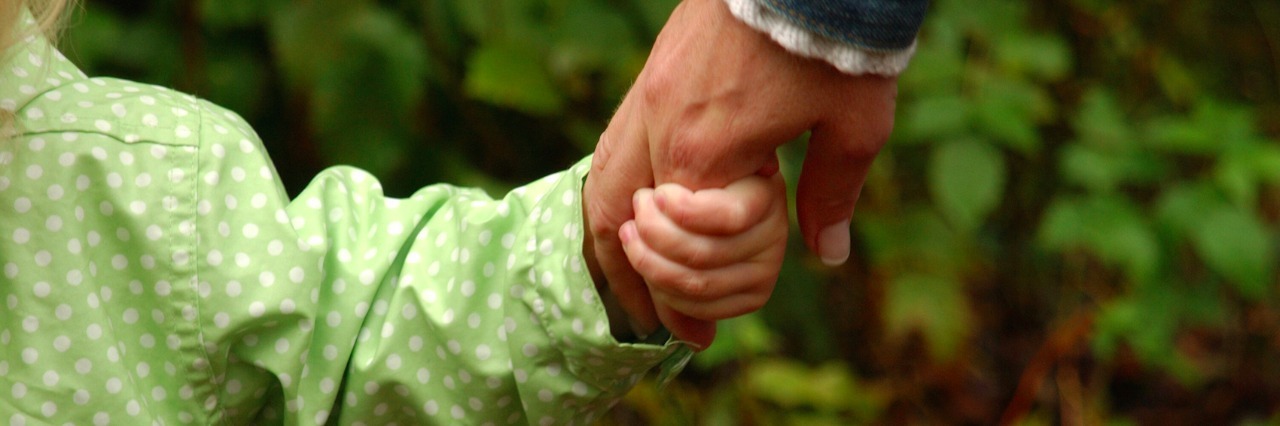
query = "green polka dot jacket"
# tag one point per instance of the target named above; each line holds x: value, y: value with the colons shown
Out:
x: 155, y: 272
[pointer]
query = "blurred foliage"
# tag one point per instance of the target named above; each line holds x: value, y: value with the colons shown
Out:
x: 1076, y: 221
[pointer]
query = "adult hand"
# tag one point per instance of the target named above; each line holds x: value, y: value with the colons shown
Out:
x: 713, y: 103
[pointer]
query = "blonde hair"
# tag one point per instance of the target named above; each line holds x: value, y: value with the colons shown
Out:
x: 49, y: 16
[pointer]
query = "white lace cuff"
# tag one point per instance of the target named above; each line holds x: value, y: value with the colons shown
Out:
x: 845, y: 57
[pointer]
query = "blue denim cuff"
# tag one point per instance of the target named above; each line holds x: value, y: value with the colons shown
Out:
x: 877, y: 25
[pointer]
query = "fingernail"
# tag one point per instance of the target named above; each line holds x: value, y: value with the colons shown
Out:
x: 833, y: 244
x: 635, y: 200
x: 627, y: 232
x: 660, y: 198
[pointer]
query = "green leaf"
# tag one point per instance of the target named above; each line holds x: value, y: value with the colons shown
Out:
x: 1182, y: 208
x: 364, y: 93
x: 1107, y: 226
x: 475, y: 16
x: 515, y: 78
x: 1212, y: 128
x: 934, y: 117
x: 1091, y: 169
x: 1115, y: 321
x: 914, y: 240
x: 1043, y: 56
x: 1234, y: 174
x: 1009, y: 110
x: 935, y: 307
x: 966, y: 179
x: 1101, y: 123
x: 1266, y: 162
x: 1063, y: 226
x: 518, y: 22
x: 1177, y: 82
x: 938, y: 66
x: 1237, y: 246
x: 1178, y: 135
x: 1244, y: 168
x: 740, y: 337
x: 1147, y: 321
x: 1102, y: 170
x: 818, y: 393
x: 782, y: 382
x: 592, y: 37
x: 988, y: 22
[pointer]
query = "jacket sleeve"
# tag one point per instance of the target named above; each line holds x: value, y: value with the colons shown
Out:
x: 444, y: 307
x: 856, y: 36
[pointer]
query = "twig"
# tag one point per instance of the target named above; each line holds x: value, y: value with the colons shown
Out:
x: 1059, y: 342
x: 1071, y: 409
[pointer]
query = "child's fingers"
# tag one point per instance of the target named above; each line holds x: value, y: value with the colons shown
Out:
x: 717, y: 293
x: 662, y: 235
x: 721, y: 211
x: 725, y: 308
x: 664, y: 276
x: 697, y: 333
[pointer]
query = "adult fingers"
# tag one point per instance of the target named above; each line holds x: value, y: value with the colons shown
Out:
x: 620, y: 167
x: 841, y: 149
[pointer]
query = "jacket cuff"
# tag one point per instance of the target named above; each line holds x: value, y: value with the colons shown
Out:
x: 600, y: 370
x: 848, y: 58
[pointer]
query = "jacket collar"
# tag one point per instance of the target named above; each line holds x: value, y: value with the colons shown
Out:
x: 32, y: 67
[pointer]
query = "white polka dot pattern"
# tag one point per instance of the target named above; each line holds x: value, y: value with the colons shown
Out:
x: 152, y: 271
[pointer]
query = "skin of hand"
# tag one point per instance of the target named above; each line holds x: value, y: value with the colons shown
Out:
x: 712, y: 104
x: 711, y: 254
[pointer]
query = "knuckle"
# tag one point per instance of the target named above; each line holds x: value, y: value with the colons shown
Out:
x: 650, y: 232
x: 604, y: 152
x: 693, y: 286
x: 640, y: 261
x: 737, y: 216
x: 604, y: 222
x: 679, y: 214
x: 865, y: 148
x: 686, y: 151
x: 699, y: 256
x: 823, y: 201
x: 656, y: 86
x: 694, y: 147
x: 703, y: 313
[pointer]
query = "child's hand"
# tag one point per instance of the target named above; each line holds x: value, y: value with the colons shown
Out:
x: 708, y: 255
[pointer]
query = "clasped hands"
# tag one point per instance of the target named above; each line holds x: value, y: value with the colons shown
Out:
x: 701, y: 125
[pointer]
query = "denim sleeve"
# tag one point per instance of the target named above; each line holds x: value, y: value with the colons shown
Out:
x: 876, y: 25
